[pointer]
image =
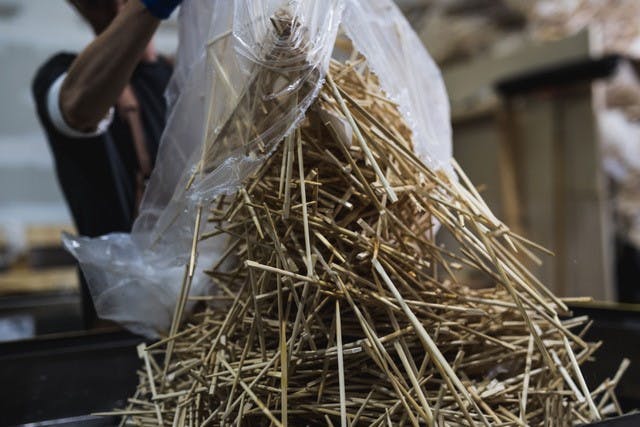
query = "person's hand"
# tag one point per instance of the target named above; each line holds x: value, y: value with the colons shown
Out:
x: 161, y: 8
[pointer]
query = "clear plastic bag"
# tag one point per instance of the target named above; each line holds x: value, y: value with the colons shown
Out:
x: 246, y: 72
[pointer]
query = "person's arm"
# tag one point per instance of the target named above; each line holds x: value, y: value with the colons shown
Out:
x: 97, y: 77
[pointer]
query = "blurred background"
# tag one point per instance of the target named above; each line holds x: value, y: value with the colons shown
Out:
x: 36, y: 274
x: 545, y: 105
x: 544, y: 98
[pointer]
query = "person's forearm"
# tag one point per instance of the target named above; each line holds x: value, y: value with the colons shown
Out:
x: 100, y: 73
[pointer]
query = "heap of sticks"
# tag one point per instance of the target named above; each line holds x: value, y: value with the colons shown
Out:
x: 334, y: 305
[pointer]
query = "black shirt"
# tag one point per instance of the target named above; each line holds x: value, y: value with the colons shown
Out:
x: 98, y: 174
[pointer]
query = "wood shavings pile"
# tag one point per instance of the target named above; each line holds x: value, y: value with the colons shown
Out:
x: 340, y: 309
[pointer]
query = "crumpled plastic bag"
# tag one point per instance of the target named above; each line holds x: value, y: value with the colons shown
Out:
x: 228, y: 54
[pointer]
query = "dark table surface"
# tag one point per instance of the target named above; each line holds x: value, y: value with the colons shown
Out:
x: 66, y: 377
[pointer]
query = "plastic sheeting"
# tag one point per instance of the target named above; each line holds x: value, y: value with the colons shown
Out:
x: 246, y: 72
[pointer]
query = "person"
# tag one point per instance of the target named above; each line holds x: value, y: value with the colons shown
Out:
x: 103, y: 112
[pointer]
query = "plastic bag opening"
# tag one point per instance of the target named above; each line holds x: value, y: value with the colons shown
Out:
x: 246, y: 73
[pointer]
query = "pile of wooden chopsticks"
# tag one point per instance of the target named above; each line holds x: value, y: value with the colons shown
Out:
x: 335, y: 304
